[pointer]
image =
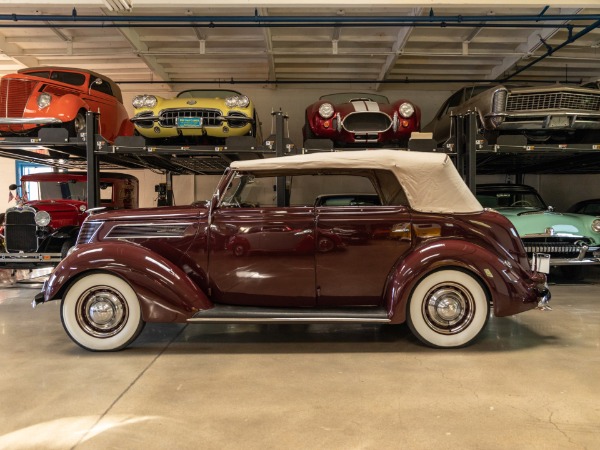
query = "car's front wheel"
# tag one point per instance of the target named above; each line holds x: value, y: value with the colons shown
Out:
x: 448, y: 309
x: 76, y: 126
x: 101, y: 312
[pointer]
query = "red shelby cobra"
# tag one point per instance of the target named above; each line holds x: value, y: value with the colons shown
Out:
x: 361, y: 119
x: 424, y: 251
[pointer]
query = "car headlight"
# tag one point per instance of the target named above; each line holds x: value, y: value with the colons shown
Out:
x: 406, y: 110
x: 82, y: 208
x: 44, y: 100
x: 326, y: 110
x: 240, y: 101
x: 42, y: 218
x: 144, y: 101
x: 596, y: 225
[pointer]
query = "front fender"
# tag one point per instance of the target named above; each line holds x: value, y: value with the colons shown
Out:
x: 512, y: 289
x: 66, y: 107
x: 165, y: 292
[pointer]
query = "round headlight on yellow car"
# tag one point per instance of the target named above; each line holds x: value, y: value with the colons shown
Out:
x: 44, y: 100
x: 42, y: 218
x: 239, y: 101
x: 144, y: 101
x: 596, y: 225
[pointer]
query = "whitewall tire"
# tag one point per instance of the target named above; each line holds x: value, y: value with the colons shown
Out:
x: 101, y: 312
x: 448, y: 309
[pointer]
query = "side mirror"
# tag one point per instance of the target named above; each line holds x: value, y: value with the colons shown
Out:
x: 12, y: 187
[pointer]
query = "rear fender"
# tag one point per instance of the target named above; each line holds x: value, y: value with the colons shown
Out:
x: 494, y: 275
x: 165, y: 292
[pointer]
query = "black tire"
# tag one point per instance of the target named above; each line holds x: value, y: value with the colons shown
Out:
x: 77, y: 125
x: 448, y: 309
x: 64, y: 248
x: 101, y: 312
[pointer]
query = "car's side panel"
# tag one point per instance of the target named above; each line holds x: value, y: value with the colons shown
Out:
x: 165, y: 292
x: 372, y: 239
x: 263, y: 256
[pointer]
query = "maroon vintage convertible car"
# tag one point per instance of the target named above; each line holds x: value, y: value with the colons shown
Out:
x: 429, y: 254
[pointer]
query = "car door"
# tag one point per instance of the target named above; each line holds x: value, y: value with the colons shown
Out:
x: 371, y: 240
x: 262, y: 256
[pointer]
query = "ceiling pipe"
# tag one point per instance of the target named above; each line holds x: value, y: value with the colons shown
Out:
x: 285, y: 25
x: 550, y: 50
x: 263, y: 21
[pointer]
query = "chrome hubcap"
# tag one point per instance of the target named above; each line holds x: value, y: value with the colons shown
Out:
x: 102, y: 311
x: 448, y: 308
x: 79, y: 123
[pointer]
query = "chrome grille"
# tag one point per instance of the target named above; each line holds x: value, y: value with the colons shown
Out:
x: 210, y: 117
x: 553, y: 100
x: 19, y: 230
x: 87, y: 231
x: 367, y: 122
x: 563, y: 247
x: 14, y: 94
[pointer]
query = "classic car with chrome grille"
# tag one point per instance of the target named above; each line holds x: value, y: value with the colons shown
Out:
x: 552, y: 114
x: 196, y: 116
x: 361, y: 119
x: 51, y: 207
x: 571, y: 240
x: 60, y: 97
x: 429, y: 254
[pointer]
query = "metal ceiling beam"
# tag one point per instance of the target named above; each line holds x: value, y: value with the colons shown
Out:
x: 17, y: 54
x: 401, y: 40
x: 140, y: 48
x: 269, y: 45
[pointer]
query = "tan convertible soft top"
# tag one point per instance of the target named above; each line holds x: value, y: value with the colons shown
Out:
x: 430, y: 180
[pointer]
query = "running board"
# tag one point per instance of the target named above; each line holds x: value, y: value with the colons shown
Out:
x: 230, y: 314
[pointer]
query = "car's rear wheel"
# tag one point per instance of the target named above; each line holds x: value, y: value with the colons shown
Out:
x: 448, y: 309
x: 101, y: 312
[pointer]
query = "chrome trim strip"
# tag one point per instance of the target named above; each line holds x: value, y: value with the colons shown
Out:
x: 27, y: 121
x: 287, y: 320
x: 174, y: 230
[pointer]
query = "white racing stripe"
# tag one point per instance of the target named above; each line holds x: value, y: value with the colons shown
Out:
x: 364, y: 105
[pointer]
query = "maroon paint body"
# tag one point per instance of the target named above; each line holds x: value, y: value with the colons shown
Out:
x: 318, y: 127
x: 180, y: 260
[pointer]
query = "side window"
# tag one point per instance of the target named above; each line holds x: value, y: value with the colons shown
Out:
x: 75, y: 79
x: 332, y: 190
x: 106, y: 192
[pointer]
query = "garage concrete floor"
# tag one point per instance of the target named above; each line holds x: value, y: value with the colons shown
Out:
x: 531, y: 382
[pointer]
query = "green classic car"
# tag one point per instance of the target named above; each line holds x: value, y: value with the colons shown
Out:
x: 571, y: 240
x: 195, y: 115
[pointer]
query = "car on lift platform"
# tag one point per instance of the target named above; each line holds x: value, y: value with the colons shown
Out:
x: 41, y: 97
x: 429, y: 254
x: 353, y: 119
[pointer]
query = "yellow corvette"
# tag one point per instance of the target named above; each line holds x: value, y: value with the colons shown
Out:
x: 197, y: 114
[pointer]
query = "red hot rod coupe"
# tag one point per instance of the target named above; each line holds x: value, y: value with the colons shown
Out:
x: 60, y: 97
x: 429, y: 255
